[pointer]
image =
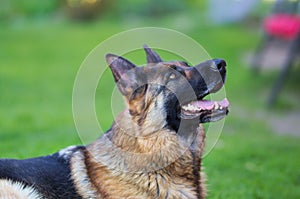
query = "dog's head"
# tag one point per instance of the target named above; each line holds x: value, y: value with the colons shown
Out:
x: 165, y: 93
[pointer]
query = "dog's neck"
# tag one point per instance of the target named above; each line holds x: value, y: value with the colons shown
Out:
x: 145, y: 151
x: 158, y: 145
x: 120, y: 151
x: 126, y: 123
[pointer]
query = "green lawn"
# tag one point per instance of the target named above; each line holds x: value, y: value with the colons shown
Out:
x: 38, y: 65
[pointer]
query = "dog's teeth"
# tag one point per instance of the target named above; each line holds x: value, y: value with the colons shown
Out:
x: 216, y: 106
x: 190, y: 107
x: 197, y: 109
x: 221, y: 108
x: 186, y: 107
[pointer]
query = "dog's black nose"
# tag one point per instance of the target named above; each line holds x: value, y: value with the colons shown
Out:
x: 220, y: 63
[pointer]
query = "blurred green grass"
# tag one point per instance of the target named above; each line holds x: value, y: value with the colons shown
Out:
x: 38, y: 65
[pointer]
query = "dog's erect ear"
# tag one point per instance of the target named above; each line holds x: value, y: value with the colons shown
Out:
x: 119, y: 65
x: 152, y: 56
x: 123, y: 72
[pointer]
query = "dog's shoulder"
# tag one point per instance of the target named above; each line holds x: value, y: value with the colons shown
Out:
x: 50, y: 175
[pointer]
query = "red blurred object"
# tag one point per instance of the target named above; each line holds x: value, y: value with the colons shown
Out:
x: 286, y: 26
x: 283, y: 25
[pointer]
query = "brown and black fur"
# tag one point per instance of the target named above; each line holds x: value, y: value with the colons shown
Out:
x: 149, y: 152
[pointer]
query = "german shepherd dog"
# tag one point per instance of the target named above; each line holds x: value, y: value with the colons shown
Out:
x: 152, y: 150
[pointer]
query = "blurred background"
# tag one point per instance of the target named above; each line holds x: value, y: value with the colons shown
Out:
x: 43, y: 43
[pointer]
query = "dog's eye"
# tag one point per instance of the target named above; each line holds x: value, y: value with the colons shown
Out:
x: 172, y: 76
x: 186, y: 64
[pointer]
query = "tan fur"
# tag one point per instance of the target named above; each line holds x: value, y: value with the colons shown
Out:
x: 80, y: 176
x: 139, y: 157
x: 149, y: 152
x: 122, y: 165
x: 17, y: 190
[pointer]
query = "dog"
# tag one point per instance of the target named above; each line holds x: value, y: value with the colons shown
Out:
x: 153, y: 148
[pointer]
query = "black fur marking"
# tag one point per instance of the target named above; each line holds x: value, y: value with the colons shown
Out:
x: 157, y: 186
x: 173, y: 121
x: 152, y: 56
x: 50, y: 175
x: 196, y: 173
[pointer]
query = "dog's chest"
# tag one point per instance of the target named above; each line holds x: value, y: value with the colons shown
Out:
x: 150, y: 186
x: 169, y: 182
x: 173, y: 188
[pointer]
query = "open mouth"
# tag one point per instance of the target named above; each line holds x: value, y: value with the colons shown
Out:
x: 206, y: 110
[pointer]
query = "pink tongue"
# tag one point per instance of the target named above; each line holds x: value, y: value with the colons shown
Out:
x: 224, y: 103
x: 204, y: 104
x: 208, y: 105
